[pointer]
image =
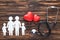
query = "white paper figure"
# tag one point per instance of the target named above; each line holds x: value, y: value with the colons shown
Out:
x: 23, y: 29
x: 10, y: 26
x: 4, y: 29
x: 33, y: 30
x: 17, y: 25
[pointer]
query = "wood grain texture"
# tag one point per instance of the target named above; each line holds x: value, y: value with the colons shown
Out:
x: 20, y: 8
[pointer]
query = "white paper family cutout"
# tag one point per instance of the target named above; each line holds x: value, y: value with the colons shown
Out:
x: 17, y: 25
x: 4, y: 29
x: 13, y: 25
x: 23, y: 29
x: 10, y: 26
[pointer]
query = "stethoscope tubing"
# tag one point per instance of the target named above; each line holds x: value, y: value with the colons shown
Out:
x: 47, y: 23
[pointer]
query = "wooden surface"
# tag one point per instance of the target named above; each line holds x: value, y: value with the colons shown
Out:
x: 20, y: 7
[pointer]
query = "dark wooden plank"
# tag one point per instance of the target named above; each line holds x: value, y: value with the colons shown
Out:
x: 20, y: 8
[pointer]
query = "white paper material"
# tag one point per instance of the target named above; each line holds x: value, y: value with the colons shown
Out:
x: 10, y: 26
x: 23, y: 29
x: 13, y: 25
x: 4, y: 29
x: 17, y: 25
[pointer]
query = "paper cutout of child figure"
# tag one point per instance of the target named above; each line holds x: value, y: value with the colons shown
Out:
x: 17, y: 25
x: 33, y: 30
x: 10, y: 26
x: 4, y: 29
x: 23, y: 29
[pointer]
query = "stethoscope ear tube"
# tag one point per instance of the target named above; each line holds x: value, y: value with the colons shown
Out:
x: 48, y: 24
x: 48, y: 28
x: 55, y: 21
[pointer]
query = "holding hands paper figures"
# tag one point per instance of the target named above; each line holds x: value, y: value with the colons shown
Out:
x: 10, y: 26
x: 17, y: 25
x: 13, y: 25
x: 4, y: 29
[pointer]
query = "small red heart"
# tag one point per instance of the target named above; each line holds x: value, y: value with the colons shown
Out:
x: 36, y: 18
x: 28, y: 16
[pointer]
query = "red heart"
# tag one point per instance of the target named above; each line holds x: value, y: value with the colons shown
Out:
x: 36, y: 18
x: 28, y: 16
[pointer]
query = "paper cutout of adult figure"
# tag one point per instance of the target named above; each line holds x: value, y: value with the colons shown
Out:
x: 17, y: 25
x: 4, y: 29
x: 23, y: 29
x: 10, y: 26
